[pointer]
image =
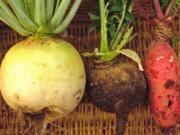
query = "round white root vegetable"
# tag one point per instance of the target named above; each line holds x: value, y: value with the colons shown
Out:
x: 42, y: 74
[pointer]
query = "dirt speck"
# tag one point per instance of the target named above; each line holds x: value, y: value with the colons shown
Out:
x: 82, y: 76
x: 16, y: 97
x: 55, y: 92
x: 77, y: 93
x: 169, y: 83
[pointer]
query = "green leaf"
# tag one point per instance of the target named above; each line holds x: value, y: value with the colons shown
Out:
x: 94, y: 27
x: 115, y: 19
x: 120, y: 24
x: 175, y: 40
x: 115, y: 8
x: 129, y: 17
x: 176, y: 5
x: 164, y: 3
x: 94, y: 17
x: 132, y: 55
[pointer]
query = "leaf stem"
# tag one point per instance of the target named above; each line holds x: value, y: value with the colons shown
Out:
x: 31, y: 5
x: 49, y: 9
x: 8, y: 17
x: 26, y: 8
x: 125, y: 38
x: 158, y: 9
x: 68, y: 18
x: 60, y: 13
x: 19, y: 9
x: 170, y: 7
x: 40, y: 13
x: 114, y: 42
x: 104, y: 37
x: 117, y: 39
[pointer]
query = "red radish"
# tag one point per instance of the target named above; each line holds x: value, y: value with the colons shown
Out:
x: 161, y: 69
x: 161, y: 64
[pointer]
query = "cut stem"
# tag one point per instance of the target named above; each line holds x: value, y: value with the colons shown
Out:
x: 158, y: 9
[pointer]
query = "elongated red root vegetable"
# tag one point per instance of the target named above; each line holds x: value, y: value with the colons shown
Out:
x: 162, y: 72
x: 161, y: 68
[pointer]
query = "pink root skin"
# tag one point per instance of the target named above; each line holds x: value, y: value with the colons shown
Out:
x: 161, y: 68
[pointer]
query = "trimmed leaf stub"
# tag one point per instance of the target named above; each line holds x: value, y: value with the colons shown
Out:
x: 132, y: 55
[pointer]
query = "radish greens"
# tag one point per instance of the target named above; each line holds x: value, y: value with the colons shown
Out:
x: 27, y: 19
x: 116, y: 30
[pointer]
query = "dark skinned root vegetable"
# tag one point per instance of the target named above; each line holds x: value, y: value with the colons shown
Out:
x: 38, y: 123
x: 117, y: 88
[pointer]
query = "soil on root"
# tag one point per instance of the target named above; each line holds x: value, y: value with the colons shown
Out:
x: 120, y: 82
x: 118, y: 89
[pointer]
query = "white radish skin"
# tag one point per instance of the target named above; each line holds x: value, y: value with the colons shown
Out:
x: 39, y: 74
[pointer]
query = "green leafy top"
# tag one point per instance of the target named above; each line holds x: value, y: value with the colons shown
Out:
x: 156, y: 9
x: 115, y: 22
x: 38, y: 17
x: 164, y: 8
x: 165, y: 3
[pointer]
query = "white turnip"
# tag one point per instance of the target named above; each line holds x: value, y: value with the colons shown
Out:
x: 41, y: 75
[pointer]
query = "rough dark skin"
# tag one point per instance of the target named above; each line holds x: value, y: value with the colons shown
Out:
x: 117, y: 88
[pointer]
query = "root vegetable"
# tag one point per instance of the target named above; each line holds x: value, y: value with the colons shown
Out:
x: 161, y: 65
x: 116, y: 86
x: 37, y: 74
x: 114, y: 89
x: 41, y: 75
